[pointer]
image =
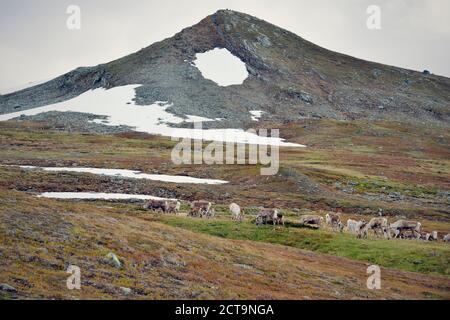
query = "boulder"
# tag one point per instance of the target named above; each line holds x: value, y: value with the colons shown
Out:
x: 113, y: 260
x: 7, y: 288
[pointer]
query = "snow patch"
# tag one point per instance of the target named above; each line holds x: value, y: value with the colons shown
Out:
x: 198, y: 119
x: 97, y: 196
x: 222, y: 67
x: 256, y: 114
x: 132, y: 174
x: 117, y: 105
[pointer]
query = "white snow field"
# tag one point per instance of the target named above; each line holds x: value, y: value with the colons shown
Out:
x: 220, y: 66
x: 118, y: 106
x: 130, y: 174
x: 97, y: 196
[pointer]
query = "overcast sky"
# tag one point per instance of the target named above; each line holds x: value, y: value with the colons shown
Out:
x: 35, y: 43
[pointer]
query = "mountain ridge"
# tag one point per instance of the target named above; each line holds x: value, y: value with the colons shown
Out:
x: 289, y: 78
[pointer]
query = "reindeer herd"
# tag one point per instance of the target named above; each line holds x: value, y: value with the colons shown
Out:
x: 199, y: 209
x: 379, y: 226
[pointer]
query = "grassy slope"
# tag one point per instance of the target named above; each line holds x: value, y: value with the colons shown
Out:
x: 380, y: 157
x: 39, y: 238
x: 414, y: 256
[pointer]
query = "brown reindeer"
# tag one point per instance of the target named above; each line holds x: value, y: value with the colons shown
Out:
x: 200, y: 209
x: 157, y: 205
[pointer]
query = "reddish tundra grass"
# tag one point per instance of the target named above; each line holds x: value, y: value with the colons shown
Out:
x: 354, y: 168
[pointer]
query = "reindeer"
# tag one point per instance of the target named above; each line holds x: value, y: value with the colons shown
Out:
x: 200, y: 208
x: 311, y: 220
x: 173, y: 206
x: 354, y: 226
x: 266, y: 216
x: 378, y: 225
x: 157, y: 205
x: 333, y: 220
x: 401, y: 226
x: 236, y: 213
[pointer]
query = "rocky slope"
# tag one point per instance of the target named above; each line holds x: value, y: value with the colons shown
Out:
x: 289, y: 78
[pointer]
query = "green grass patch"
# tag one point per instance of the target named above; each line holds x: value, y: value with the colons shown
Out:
x: 428, y: 258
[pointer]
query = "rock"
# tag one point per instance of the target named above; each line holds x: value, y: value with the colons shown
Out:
x: 113, y: 260
x: 252, y: 71
x: 306, y: 97
x: 395, y: 196
x: 264, y: 40
x: 376, y: 73
x: 126, y: 291
x: 7, y: 288
x: 426, y: 72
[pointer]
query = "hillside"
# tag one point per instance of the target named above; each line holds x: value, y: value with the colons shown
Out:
x: 362, y: 139
x: 163, y: 262
x: 176, y: 257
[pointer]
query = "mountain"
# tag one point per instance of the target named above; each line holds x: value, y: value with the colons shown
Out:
x: 289, y: 78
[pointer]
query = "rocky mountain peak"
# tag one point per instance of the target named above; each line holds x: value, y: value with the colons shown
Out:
x: 289, y: 79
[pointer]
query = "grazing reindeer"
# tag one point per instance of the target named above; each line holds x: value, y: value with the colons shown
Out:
x: 157, y: 205
x: 378, y: 225
x: 266, y: 216
x: 401, y: 226
x: 200, y: 209
x: 263, y: 217
x: 333, y: 220
x: 278, y: 218
x: 354, y: 226
x: 236, y: 213
x: 311, y: 220
x: 173, y: 206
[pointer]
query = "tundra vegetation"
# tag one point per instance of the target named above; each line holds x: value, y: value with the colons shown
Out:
x: 357, y: 169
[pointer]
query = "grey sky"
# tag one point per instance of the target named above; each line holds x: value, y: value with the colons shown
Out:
x: 35, y: 43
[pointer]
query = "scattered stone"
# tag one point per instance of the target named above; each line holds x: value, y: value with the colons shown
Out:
x: 243, y: 266
x: 126, y: 291
x: 7, y: 288
x: 306, y: 97
x: 113, y: 260
x: 395, y: 196
x: 376, y: 73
